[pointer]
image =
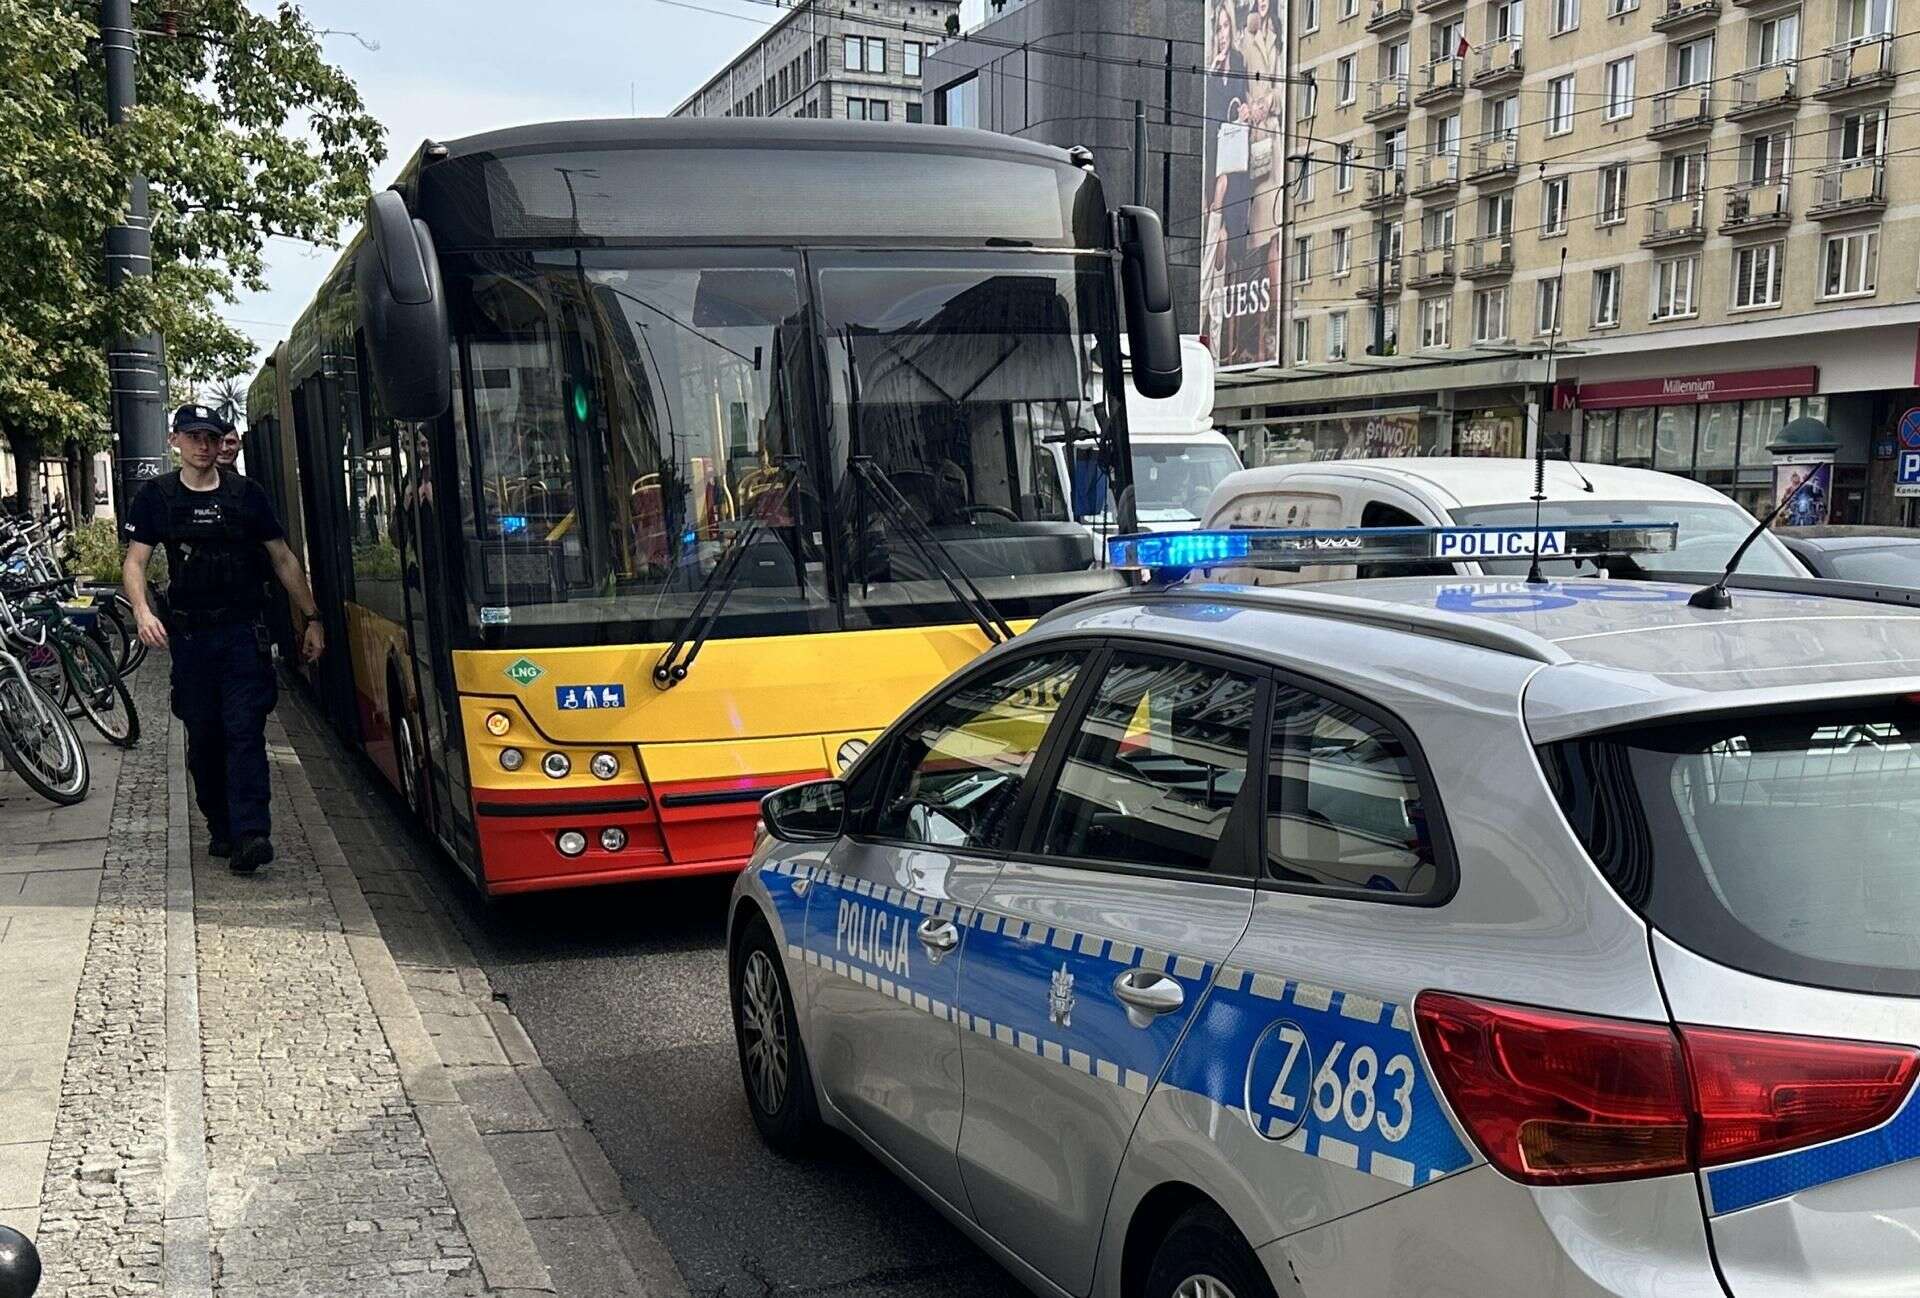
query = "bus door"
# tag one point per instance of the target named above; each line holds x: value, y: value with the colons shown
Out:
x: 323, y: 503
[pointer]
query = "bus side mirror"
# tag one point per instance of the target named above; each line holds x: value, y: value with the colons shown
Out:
x: 1153, y: 336
x: 403, y: 312
x: 806, y: 813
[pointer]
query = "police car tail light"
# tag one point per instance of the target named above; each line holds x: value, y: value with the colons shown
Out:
x: 1560, y: 1099
x: 1758, y: 1093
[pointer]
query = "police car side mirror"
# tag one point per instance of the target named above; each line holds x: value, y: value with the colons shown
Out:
x: 806, y: 813
x: 403, y: 312
x: 1153, y: 335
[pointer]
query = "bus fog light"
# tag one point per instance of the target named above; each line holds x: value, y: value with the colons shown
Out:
x: 557, y: 766
x: 498, y: 723
x: 572, y: 843
x: 613, y: 839
x: 512, y: 759
x: 604, y: 766
x: 850, y: 752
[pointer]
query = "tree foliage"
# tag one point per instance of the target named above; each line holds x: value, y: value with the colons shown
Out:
x: 244, y: 131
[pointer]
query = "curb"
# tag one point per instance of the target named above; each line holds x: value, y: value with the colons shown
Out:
x: 186, y: 1249
x: 502, y: 1244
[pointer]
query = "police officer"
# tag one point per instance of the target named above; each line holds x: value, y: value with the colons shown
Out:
x: 229, y: 449
x: 223, y: 542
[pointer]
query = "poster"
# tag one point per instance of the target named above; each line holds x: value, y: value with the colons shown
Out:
x: 1243, y: 209
x: 1804, y: 486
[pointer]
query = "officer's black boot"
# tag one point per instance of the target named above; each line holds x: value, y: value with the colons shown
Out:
x: 250, y: 852
x: 219, y: 846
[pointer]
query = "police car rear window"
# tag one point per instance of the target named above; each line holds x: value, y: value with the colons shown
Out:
x: 1779, y: 842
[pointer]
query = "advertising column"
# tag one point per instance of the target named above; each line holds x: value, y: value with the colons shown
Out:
x: 1244, y: 208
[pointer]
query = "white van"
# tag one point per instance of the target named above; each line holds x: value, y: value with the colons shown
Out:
x: 1477, y: 492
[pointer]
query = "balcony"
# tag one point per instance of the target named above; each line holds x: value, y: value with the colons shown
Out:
x: 1389, y: 100
x: 1385, y: 189
x: 1757, y: 205
x: 1388, y: 14
x: 1488, y: 256
x: 1496, y: 63
x: 1678, y: 15
x: 1370, y: 278
x: 1758, y: 92
x: 1676, y: 220
x: 1854, y: 68
x: 1680, y: 110
x: 1493, y: 162
x: 1849, y: 189
x: 1438, y: 173
x: 1432, y: 267
x: 1445, y: 79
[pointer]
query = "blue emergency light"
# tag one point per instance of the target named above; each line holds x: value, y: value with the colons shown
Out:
x: 1168, y: 555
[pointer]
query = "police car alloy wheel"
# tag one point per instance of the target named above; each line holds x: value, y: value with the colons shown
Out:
x: 773, y: 1061
x: 1203, y: 1256
x: 763, y: 1032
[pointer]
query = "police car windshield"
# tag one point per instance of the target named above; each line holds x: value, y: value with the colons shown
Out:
x: 1709, y: 534
x: 1173, y: 482
x: 1779, y: 843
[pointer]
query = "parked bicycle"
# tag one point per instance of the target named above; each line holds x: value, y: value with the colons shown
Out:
x: 37, y: 739
x: 41, y: 552
x: 63, y: 660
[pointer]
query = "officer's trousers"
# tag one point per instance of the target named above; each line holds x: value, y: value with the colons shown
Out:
x: 223, y: 689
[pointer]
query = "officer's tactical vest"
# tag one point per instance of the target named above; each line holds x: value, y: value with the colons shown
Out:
x: 212, y: 562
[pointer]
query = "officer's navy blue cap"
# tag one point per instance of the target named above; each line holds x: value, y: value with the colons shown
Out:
x: 198, y: 419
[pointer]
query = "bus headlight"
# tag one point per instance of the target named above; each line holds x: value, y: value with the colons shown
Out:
x: 557, y: 766
x: 850, y: 752
x: 498, y: 723
x: 604, y: 766
x: 571, y: 843
x: 613, y: 839
x: 512, y: 759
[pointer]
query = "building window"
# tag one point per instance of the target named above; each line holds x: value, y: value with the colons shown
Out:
x: 1490, y: 315
x: 1348, y: 8
x: 1302, y: 259
x: 1390, y: 321
x: 1560, y: 105
x: 1302, y: 338
x: 806, y: 68
x: 1509, y: 20
x: 1767, y: 157
x: 1673, y: 282
x: 1865, y: 19
x: 1615, y: 8
x: 1686, y: 175
x: 1613, y: 194
x: 876, y: 54
x: 1393, y: 149
x: 1546, y: 308
x: 1436, y: 321
x: 1566, y: 15
x: 1309, y: 94
x: 910, y: 64
x: 1303, y: 183
x: 1693, y: 63
x: 1496, y: 215
x: 1343, y: 168
x: 879, y: 110
x: 1337, y: 336
x: 856, y: 109
x: 914, y: 113
x: 1848, y: 263
x: 959, y: 103
x: 1342, y: 251
x: 1620, y: 89
x: 1344, y: 73
x: 1553, y: 206
x: 1309, y: 15
x: 1436, y: 229
x: 1778, y: 40
x: 1606, y: 297
x: 1503, y: 118
x: 1757, y: 274
x: 1443, y: 136
x: 1862, y: 135
x: 855, y: 57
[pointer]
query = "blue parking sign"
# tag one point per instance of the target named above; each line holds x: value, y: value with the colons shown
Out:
x: 582, y: 698
x: 1906, y: 480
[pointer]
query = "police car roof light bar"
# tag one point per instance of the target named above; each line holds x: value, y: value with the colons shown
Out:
x: 1167, y: 556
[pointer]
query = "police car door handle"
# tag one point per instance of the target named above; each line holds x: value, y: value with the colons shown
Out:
x: 1147, y: 995
x: 939, y: 936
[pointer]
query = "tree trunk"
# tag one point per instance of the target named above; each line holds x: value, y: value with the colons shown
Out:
x: 26, y: 467
x: 84, y: 486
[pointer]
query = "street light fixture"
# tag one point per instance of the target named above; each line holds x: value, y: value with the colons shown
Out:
x: 1379, y: 250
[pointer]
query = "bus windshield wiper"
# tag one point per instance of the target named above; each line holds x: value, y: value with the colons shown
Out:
x: 721, y: 582
x: 932, y: 550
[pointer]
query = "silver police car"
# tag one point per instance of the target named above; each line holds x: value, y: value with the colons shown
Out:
x: 1392, y: 938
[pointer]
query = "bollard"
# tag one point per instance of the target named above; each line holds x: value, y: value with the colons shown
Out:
x: 19, y: 1265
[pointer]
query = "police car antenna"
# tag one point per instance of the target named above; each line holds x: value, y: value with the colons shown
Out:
x: 1716, y: 596
x: 1534, y: 576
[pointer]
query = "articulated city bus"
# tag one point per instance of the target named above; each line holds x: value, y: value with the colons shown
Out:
x: 644, y: 466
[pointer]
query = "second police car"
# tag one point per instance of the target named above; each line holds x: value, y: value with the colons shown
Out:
x: 1407, y: 937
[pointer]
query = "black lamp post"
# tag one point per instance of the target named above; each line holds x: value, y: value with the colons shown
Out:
x: 1804, y: 436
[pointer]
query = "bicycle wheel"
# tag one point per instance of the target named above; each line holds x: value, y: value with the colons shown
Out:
x: 136, y: 647
x: 45, y: 669
x: 98, y: 690
x: 39, y: 743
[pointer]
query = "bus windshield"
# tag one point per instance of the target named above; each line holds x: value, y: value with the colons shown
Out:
x: 637, y: 415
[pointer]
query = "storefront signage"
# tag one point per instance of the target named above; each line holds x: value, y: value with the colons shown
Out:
x: 1686, y: 390
x: 1244, y: 201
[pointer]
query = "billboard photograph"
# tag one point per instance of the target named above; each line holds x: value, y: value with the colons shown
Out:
x: 1244, y: 205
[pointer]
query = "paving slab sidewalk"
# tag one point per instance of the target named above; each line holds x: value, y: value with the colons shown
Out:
x: 222, y: 1084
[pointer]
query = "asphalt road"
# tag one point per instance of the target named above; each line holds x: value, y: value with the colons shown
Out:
x: 624, y: 993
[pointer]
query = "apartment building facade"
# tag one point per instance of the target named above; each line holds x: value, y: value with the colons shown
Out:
x: 1660, y: 228
x: 857, y: 59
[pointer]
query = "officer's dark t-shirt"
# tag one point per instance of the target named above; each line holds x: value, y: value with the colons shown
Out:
x: 215, y: 541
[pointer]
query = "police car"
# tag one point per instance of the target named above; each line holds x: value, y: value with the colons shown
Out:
x: 1405, y: 937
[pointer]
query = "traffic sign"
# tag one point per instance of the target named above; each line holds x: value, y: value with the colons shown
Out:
x: 1906, y: 480
x: 1910, y: 430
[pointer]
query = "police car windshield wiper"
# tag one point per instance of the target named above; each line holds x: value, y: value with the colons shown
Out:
x: 1716, y: 596
x: 932, y: 549
x: 724, y: 578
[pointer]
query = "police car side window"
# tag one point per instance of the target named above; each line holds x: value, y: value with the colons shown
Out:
x: 1344, y: 803
x: 958, y: 769
x: 1152, y: 775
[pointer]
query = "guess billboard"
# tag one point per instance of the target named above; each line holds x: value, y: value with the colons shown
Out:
x: 1686, y: 390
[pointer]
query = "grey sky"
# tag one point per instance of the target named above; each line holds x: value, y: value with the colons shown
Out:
x: 448, y: 68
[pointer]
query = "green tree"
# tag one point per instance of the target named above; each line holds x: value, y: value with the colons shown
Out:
x: 244, y: 131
